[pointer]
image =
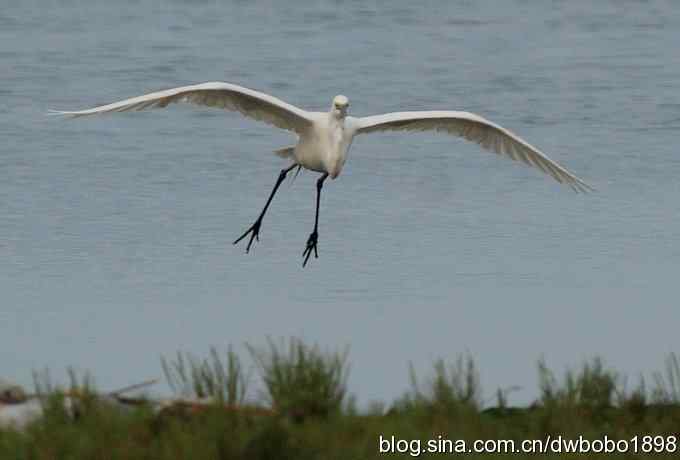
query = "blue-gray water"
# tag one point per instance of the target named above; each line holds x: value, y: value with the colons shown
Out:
x: 116, y: 231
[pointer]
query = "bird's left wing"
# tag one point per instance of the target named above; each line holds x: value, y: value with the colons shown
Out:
x: 251, y: 103
x: 474, y: 128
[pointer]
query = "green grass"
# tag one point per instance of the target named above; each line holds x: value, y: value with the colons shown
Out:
x: 313, y: 416
x: 301, y: 381
x: 207, y: 378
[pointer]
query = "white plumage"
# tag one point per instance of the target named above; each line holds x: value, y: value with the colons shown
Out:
x: 314, y: 129
x: 324, y: 138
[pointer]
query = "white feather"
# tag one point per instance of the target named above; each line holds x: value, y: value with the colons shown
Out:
x: 473, y: 128
x: 325, y: 137
x: 251, y: 103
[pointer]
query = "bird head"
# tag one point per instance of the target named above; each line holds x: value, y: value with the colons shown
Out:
x: 340, y: 106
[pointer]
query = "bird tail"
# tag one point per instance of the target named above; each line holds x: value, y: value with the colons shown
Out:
x: 286, y: 152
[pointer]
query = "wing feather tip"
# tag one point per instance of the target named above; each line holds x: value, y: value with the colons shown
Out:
x: 62, y: 113
x: 587, y: 188
x: 580, y: 186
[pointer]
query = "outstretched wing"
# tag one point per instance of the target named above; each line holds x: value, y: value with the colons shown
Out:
x: 251, y: 103
x: 474, y: 128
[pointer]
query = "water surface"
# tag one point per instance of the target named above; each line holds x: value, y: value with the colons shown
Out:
x: 116, y: 232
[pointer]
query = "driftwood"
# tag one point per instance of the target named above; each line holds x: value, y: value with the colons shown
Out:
x: 185, y: 407
x: 18, y: 408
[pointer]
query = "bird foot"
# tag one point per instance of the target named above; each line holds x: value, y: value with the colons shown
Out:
x: 311, y: 246
x: 254, y: 230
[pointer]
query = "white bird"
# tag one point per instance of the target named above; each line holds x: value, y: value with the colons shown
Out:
x: 324, y: 138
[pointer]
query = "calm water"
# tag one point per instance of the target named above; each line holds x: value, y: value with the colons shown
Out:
x: 115, y: 235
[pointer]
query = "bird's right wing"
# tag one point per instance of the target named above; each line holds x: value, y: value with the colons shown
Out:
x: 474, y: 128
x: 251, y: 103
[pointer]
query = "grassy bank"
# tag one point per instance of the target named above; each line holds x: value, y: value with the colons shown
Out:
x: 301, y: 410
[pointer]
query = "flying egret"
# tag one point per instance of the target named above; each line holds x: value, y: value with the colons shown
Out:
x: 324, y: 138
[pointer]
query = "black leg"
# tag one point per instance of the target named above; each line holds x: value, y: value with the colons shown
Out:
x: 313, y: 238
x: 255, y: 228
